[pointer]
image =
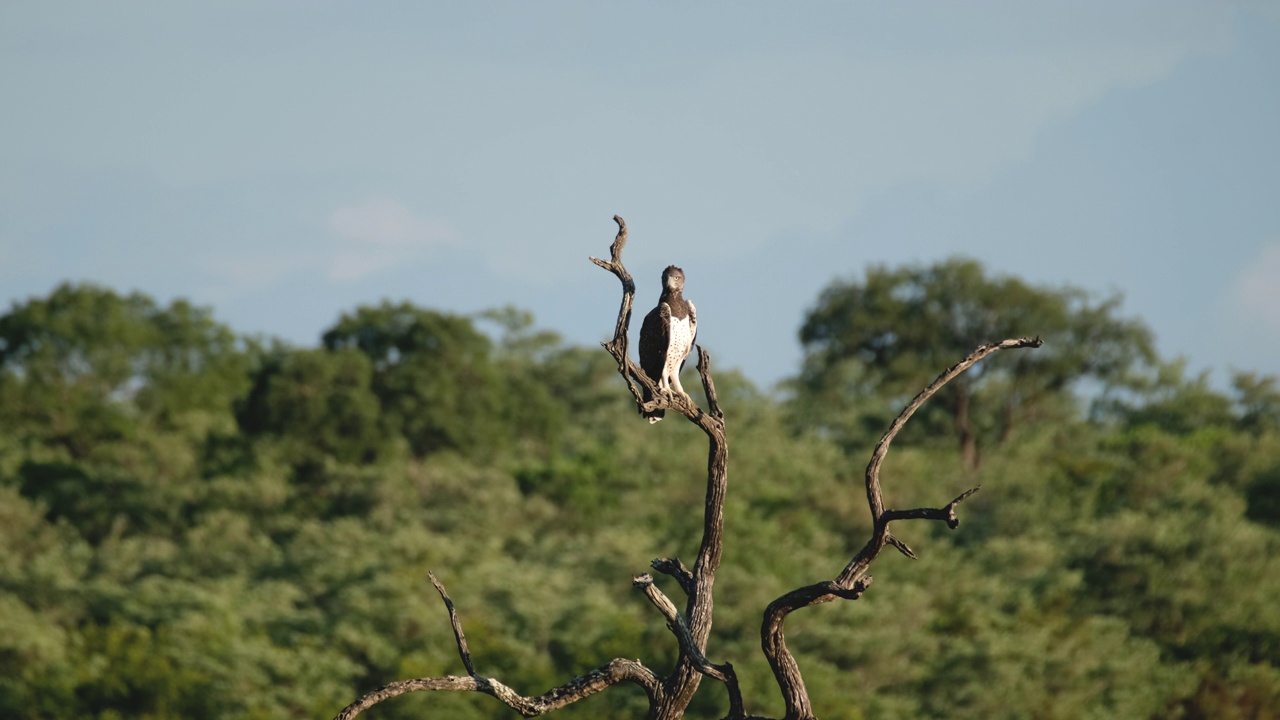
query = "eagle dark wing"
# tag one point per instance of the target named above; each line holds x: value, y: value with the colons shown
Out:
x: 655, y: 336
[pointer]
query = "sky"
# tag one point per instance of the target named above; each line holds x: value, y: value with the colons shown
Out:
x: 285, y: 162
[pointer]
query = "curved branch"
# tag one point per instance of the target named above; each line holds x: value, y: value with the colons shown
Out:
x: 616, y: 671
x: 853, y: 580
x: 874, y: 497
x: 618, y: 346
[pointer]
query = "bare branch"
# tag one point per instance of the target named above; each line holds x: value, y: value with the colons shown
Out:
x: 456, y: 623
x: 618, y: 346
x: 874, y: 497
x: 902, y: 547
x: 853, y: 581
x: 676, y: 569
x: 946, y: 514
x: 774, y: 644
x: 708, y: 385
x: 724, y: 673
x: 616, y: 671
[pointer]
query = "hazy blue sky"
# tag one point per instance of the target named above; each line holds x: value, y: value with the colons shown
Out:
x: 284, y: 162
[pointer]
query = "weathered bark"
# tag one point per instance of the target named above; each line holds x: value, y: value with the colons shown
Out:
x: 964, y: 428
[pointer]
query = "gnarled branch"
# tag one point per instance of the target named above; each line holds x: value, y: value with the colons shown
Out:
x: 853, y: 580
x: 616, y: 671
x: 618, y: 346
x: 724, y: 673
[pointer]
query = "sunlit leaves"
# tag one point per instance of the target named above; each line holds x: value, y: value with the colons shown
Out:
x: 193, y: 525
x: 887, y: 335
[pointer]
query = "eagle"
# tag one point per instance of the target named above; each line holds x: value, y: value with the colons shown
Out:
x: 666, y: 337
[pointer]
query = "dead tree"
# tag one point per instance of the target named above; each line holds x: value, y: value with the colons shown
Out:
x: 670, y: 696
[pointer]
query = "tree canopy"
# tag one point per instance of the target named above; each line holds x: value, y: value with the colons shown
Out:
x: 887, y: 334
x: 198, y: 524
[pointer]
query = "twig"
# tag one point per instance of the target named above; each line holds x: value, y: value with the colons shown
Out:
x: 456, y: 623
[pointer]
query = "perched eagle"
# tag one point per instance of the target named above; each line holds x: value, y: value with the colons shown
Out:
x: 666, y: 337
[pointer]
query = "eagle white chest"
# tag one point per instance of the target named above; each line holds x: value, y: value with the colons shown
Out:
x: 678, y: 347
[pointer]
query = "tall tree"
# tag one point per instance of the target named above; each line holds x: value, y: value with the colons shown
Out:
x: 433, y: 372
x: 83, y: 359
x: 890, y: 331
x: 318, y: 402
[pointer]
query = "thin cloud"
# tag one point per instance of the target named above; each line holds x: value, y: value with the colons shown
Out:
x: 1257, y: 288
x: 379, y: 234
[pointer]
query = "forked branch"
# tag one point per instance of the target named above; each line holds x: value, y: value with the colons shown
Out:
x: 612, y: 673
x: 724, y: 673
x: 618, y: 347
x: 853, y: 580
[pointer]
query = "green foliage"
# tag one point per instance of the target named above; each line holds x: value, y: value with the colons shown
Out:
x: 317, y: 403
x: 195, y: 525
x: 1258, y: 399
x: 432, y: 373
x: 84, y: 362
x: 888, y: 335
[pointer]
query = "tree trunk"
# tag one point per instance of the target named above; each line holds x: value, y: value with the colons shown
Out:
x: 964, y: 429
x: 1006, y: 428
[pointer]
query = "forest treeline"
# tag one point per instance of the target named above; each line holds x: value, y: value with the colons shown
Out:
x: 195, y: 523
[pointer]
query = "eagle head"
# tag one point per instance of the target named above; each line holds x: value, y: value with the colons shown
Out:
x: 673, y: 279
